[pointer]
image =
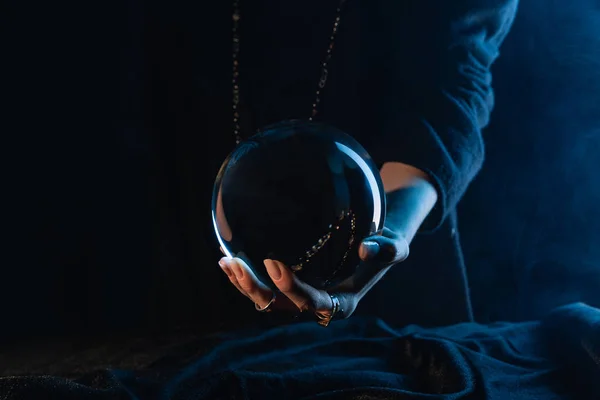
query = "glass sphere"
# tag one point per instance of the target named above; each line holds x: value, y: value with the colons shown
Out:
x: 303, y: 193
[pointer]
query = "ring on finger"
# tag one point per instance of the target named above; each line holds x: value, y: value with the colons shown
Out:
x: 324, y: 318
x: 268, y: 307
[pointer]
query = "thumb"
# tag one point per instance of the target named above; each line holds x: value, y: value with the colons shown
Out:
x: 384, y: 249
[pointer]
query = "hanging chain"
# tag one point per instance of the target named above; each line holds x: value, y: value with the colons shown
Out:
x: 325, y: 63
x: 236, y: 73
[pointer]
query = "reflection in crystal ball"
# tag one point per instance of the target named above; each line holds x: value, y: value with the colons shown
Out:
x: 303, y: 193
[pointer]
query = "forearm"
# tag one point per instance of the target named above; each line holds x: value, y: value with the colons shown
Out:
x: 410, y: 198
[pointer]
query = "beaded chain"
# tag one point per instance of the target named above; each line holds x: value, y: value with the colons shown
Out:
x: 349, y: 215
x: 236, y: 72
x: 325, y: 238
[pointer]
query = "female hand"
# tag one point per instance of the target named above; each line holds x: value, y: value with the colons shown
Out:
x: 377, y: 254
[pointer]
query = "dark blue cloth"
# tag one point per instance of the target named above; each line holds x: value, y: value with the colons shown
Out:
x: 434, y: 90
x: 362, y: 358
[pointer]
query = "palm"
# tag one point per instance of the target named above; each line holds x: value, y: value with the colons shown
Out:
x: 296, y: 295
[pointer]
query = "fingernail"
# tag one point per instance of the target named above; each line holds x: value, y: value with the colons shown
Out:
x: 237, y: 270
x: 273, y: 269
x: 368, y: 249
x: 224, y: 261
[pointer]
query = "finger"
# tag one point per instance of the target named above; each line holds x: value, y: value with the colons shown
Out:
x: 249, y: 283
x: 231, y: 275
x: 302, y: 295
x: 387, y: 249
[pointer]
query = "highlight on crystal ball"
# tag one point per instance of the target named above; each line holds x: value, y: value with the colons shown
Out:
x: 303, y: 193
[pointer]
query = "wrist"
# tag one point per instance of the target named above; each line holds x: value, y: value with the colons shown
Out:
x: 410, y: 197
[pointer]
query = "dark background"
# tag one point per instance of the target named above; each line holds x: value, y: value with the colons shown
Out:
x: 530, y: 222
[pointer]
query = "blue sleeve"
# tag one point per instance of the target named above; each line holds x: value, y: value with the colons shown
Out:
x: 438, y: 96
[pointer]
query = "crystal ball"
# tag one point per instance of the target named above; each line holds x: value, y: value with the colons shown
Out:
x: 302, y: 193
